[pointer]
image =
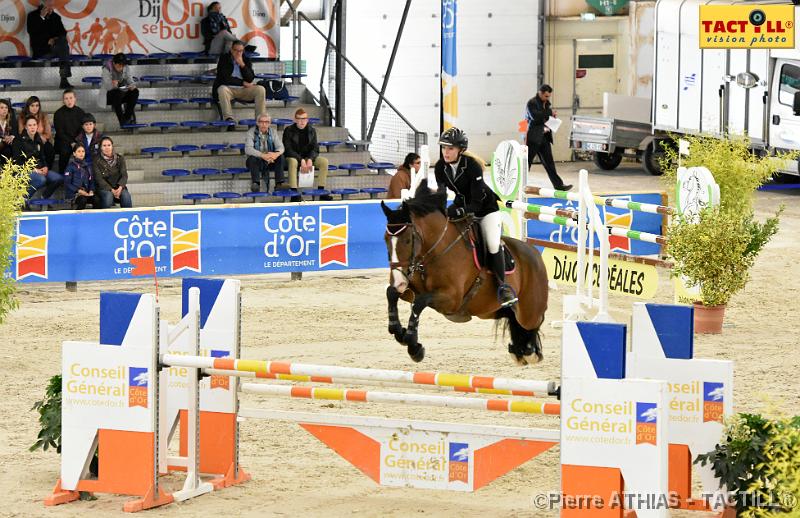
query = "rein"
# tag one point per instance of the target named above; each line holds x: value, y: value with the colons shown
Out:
x: 417, y: 264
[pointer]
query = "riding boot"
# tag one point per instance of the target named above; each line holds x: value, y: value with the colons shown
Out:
x: 505, y: 293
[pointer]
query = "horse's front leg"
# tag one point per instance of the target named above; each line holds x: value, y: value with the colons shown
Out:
x: 395, y: 327
x: 415, y: 349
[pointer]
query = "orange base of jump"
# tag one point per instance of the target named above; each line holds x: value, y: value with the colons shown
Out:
x: 153, y: 498
x: 230, y: 478
x: 61, y: 496
x: 579, y: 481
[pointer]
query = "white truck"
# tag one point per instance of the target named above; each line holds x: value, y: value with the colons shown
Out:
x: 736, y: 92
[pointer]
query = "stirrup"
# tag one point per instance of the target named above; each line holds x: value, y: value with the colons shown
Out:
x: 506, y: 295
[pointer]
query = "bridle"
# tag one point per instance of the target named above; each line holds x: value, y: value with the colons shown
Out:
x: 416, y: 263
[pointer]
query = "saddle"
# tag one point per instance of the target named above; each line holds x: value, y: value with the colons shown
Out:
x: 480, y: 254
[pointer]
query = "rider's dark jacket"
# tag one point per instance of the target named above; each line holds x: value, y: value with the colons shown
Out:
x: 467, y: 183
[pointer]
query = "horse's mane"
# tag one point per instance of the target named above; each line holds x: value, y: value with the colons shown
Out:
x: 426, y: 201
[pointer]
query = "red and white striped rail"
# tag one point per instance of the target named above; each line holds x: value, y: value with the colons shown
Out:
x: 355, y: 373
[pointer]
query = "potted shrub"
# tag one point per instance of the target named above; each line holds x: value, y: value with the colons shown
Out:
x: 716, y: 254
x: 758, y: 465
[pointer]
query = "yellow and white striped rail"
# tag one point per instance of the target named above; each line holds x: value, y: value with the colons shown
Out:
x: 355, y: 373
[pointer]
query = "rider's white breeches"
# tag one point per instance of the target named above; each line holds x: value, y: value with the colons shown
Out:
x: 492, y: 228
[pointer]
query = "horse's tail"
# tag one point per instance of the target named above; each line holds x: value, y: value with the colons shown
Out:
x: 526, y: 345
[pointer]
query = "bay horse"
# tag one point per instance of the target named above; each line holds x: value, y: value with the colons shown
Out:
x: 432, y: 264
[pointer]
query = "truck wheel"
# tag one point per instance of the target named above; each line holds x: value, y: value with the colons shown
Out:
x: 608, y: 161
x: 650, y: 159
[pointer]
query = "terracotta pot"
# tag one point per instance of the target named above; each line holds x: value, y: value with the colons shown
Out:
x: 708, y: 319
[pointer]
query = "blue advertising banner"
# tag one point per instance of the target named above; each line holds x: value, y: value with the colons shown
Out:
x: 629, y: 219
x: 449, y: 63
x: 187, y: 241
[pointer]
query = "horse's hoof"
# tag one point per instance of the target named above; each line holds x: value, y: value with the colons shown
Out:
x: 417, y: 354
x: 518, y: 359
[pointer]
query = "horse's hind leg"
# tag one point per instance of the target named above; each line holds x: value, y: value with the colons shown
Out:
x: 395, y: 328
x: 525, y: 346
x: 415, y: 349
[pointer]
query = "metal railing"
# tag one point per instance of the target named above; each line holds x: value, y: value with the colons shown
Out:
x: 390, y: 133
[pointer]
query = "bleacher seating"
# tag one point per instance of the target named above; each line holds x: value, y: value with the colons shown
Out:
x: 178, y: 129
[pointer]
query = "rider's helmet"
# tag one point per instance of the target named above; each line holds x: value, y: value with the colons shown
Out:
x: 454, y: 137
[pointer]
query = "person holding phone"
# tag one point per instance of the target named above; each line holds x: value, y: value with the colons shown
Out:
x: 119, y: 90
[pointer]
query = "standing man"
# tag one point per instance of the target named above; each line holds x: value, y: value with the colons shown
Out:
x: 302, y: 150
x: 68, y: 121
x: 539, y: 138
x: 264, y: 153
x: 236, y: 80
x: 49, y: 38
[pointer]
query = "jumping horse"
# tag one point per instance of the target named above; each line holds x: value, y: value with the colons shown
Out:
x: 432, y: 262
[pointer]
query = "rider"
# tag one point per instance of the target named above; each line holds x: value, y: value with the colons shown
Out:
x: 463, y: 174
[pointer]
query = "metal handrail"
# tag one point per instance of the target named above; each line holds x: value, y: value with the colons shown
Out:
x: 332, y: 45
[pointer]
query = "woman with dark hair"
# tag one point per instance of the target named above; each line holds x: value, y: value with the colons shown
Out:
x: 111, y: 176
x: 33, y: 108
x: 402, y: 178
x: 79, y: 184
x: 29, y: 145
x: 8, y: 130
x: 118, y: 89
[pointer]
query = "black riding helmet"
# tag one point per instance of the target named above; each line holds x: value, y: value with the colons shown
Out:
x: 454, y: 137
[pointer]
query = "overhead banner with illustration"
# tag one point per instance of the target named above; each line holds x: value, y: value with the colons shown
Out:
x: 99, y: 245
x: 142, y: 26
x: 449, y: 63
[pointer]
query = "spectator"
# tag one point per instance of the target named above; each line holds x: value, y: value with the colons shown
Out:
x: 235, y: 81
x: 111, y: 176
x: 29, y: 145
x: 539, y: 138
x: 300, y: 141
x: 9, y: 130
x: 33, y: 108
x: 49, y: 38
x: 89, y: 138
x: 119, y: 90
x: 67, y: 120
x: 217, y: 35
x: 264, y: 153
x: 79, y: 185
x: 402, y: 178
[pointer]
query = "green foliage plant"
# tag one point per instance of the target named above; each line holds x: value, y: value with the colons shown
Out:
x: 49, y: 409
x: 758, y: 463
x: 14, y: 180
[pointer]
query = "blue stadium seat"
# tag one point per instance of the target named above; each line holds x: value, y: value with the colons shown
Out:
x: 160, y: 55
x: 381, y: 167
x: 293, y: 75
x: 285, y: 193
x: 19, y: 60
x: 255, y: 195
x: 201, y: 101
x: 44, y: 203
x: 314, y: 120
x: 207, y: 78
x: 102, y: 57
x: 133, y: 57
x: 163, y: 125
x: 196, y: 197
x: 173, y: 102
x: 222, y: 125
x: 154, y: 151
x: 78, y: 58
x: 233, y: 171
x: 359, y: 145
x: 144, y: 103
x: 214, y: 148
x: 373, y: 191
x: 225, y: 196
x: 330, y: 144
x: 289, y: 100
x: 190, y: 55
x: 239, y: 146
x: 181, y: 78
x: 268, y: 76
x: 185, y: 149
x: 281, y: 123
x: 352, y: 167
x: 18, y: 106
x: 5, y: 83
x: 344, y: 193
x: 134, y: 127
x: 152, y: 79
x: 175, y: 173
x: 315, y: 193
x: 247, y: 122
x: 92, y: 80
x: 193, y: 125
x: 332, y: 167
x: 206, y: 171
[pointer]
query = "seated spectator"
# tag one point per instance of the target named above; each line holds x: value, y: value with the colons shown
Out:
x: 79, y: 182
x: 89, y: 138
x: 264, y: 153
x: 33, y: 108
x: 402, y: 178
x: 217, y: 35
x: 111, y: 177
x: 119, y: 90
x: 29, y: 145
x: 302, y: 150
x: 8, y: 130
x: 67, y: 120
x: 235, y: 80
x: 49, y: 38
